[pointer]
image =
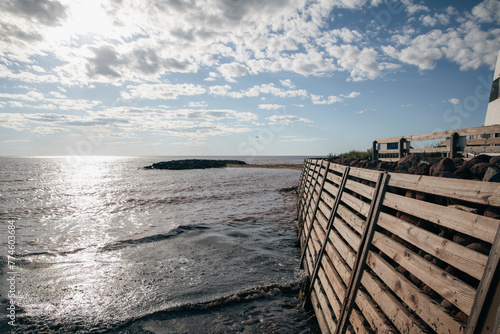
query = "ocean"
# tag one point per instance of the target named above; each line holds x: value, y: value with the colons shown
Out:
x: 98, y: 244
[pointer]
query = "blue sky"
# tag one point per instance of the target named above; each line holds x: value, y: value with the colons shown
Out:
x: 239, y: 77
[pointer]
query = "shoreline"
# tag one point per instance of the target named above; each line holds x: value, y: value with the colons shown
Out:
x: 272, y: 166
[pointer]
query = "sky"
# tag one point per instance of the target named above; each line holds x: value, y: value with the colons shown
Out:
x: 239, y: 77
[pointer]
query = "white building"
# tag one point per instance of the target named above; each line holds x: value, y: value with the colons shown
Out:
x: 493, y: 111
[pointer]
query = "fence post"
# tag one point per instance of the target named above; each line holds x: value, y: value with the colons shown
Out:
x: 374, y: 150
x: 402, y: 149
x: 453, y: 145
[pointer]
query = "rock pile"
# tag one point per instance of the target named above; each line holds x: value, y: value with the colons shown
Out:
x: 482, y: 167
x: 193, y: 164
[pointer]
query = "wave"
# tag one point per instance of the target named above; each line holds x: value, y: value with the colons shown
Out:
x: 258, y: 293
x: 152, y: 238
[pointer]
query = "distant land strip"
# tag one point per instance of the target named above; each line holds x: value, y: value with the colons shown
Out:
x: 274, y: 166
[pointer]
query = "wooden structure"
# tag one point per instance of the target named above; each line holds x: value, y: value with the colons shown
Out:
x: 398, y: 253
x: 455, y: 143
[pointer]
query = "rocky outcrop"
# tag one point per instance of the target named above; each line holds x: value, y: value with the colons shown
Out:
x: 481, y: 167
x: 193, y: 164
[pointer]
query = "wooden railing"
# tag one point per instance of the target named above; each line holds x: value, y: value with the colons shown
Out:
x: 455, y: 143
x: 398, y: 253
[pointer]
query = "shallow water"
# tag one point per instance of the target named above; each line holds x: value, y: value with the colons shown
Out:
x: 103, y: 245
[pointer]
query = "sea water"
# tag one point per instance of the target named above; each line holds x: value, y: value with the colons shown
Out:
x: 98, y: 244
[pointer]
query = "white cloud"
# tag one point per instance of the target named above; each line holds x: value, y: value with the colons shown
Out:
x: 287, y: 83
x: 232, y: 70
x: 362, y: 63
x: 162, y: 91
x: 318, y: 99
x: 271, y: 106
x: 454, y: 101
x: 352, y: 95
x: 413, y: 8
x: 487, y: 11
x: 287, y: 119
x: 199, y: 104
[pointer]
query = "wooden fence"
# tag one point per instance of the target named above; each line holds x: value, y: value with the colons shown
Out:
x: 398, y: 253
x: 454, y: 143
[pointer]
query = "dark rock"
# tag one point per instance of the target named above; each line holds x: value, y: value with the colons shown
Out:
x: 482, y: 158
x: 411, y: 160
x: 423, y: 169
x: 492, y: 174
x: 193, y: 164
x: 464, y: 173
x: 384, y: 166
x: 479, y: 169
x: 443, y: 166
x: 495, y: 160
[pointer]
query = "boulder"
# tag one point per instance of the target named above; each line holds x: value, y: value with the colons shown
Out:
x: 445, y: 165
x: 495, y: 160
x: 479, y: 169
x: 492, y: 174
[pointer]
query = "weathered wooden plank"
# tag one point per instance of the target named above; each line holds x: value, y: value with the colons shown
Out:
x: 482, y: 149
x: 329, y: 292
x: 483, y: 141
x: 430, y: 312
x: 394, y: 310
x: 480, y: 227
x: 356, y: 204
x: 327, y: 195
x: 338, y: 168
x: 347, y: 254
x: 334, y: 178
x: 361, y: 189
x: 472, y: 191
x: 323, y: 325
x: 377, y: 320
x: 449, y: 287
x: 351, y: 219
x: 347, y: 234
x: 460, y: 257
x: 430, y: 150
x: 365, y: 174
x: 389, y: 140
x: 357, y: 323
x: 341, y: 267
x: 388, y: 151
